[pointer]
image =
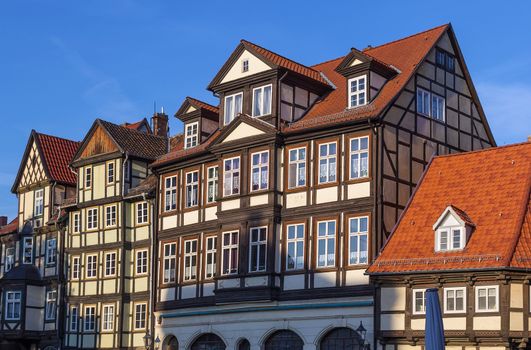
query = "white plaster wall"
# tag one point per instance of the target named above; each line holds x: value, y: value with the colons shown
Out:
x: 359, y: 190
x: 326, y: 195
x: 297, y: 199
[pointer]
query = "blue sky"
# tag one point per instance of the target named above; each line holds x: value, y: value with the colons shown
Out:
x: 64, y: 63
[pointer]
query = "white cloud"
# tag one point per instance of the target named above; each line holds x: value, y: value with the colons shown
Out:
x: 507, y: 110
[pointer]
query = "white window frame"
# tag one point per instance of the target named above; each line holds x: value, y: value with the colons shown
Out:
x: 39, y: 202
x: 191, y: 138
x: 358, y: 234
x: 450, y: 239
x: 9, y: 260
x: 110, y: 264
x: 360, y: 152
x: 27, y: 246
x: 51, y: 305
x: 140, y: 316
x: 441, y: 103
x: 89, y: 321
x: 263, y: 110
x: 229, y: 118
x: 91, y: 269
x: 88, y: 177
x: 230, y: 175
x: 51, y: 251
x: 76, y: 222
x: 110, y: 173
x: 259, y: 245
x: 141, y: 260
x: 295, y: 243
x: 210, y: 268
x: 454, y: 290
x: 296, y: 166
x: 170, y: 193
x: 142, y: 213
x: 414, y: 304
x: 107, y: 319
x: 327, y: 159
x: 476, y: 295
x: 192, y: 189
x: 190, y: 260
x: 326, y: 240
x: 92, y: 219
x: 13, y: 298
x: 360, y: 93
x: 76, y: 267
x: 232, y: 266
x: 74, y: 318
x: 212, y: 183
x: 260, y: 166
x: 111, y: 216
x: 169, y: 267
x: 422, y: 94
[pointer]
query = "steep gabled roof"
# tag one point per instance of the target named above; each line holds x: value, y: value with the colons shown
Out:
x: 130, y: 141
x: 56, y: 154
x: 272, y: 59
x: 492, y: 187
x: 405, y: 55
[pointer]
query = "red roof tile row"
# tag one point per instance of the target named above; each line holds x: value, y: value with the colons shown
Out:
x: 58, y: 154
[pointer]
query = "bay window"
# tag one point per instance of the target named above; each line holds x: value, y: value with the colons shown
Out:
x: 326, y: 243
x: 257, y: 249
x: 297, y: 167
x: 359, y: 157
x: 231, y: 176
x: 169, y: 262
x: 170, y: 193
x: 233, y: 107
x: 192, y: 188
x: 190, y: 260
x: 295, y: 247
x: 327, y: 162
x: 262, y: 101
x: 13, y: 305
x: 358, y: 240
x: 230, y: 253
x: 259, y: 171
x: 357, y: 91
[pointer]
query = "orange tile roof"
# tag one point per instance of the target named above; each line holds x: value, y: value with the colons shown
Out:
x: 405, y: 54
x: 201, y: 104
x: 284, y: 62
x: 492, y: 188
x: 58, y: 153
x: 9, y: 228
x: 137, y: 125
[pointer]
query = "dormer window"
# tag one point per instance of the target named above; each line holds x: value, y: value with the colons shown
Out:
x: 262, y: 101
x: 191, y: 132
x: 245, y: 65
x: 452, y: 230
x: 233, y: 107
x: 357, y: 91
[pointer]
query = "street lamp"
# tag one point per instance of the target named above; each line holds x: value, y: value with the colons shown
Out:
x: 363, y: 333
x: 157, y: 342
x: 147, y: 340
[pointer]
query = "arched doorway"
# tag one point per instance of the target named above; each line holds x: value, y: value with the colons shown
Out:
x: 244, y: 345
x: 170, y: 343
x: 341, y: 339
x: 284, y: 340
x: 208, y: 341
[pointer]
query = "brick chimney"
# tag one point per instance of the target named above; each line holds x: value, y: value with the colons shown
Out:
x: 3, y: 220
x: 160, y: 124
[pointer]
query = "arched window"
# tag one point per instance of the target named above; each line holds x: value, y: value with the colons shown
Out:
x: 284, y: 340
x: 208, y: 341
x: 341, y: 339
x: 244, y: 345
x: 170, y: 343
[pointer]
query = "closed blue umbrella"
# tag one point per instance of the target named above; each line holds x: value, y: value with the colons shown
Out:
x: 434, y: 323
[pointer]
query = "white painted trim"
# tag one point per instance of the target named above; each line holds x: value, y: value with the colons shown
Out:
x: 476, y: 292
x: 350, y: 94
x: 262, y: 100
x: 455, y: 289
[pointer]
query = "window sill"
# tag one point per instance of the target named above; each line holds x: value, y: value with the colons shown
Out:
x: 326, y: 185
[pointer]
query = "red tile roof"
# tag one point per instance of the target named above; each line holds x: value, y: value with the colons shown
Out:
x: 492, y: 188
x: 200, y: 104
x: 284, y: 62
x: 9, y: 228
x: 58, y: 153
x: 137, y: 125
x: 405, y: 54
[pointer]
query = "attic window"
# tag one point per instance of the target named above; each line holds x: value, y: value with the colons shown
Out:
x: 245, y: 65
x: 357, y: 91
x: 450, y: 238
x: 191, y: 135
x: 445, y: 60
x: 451, y: 230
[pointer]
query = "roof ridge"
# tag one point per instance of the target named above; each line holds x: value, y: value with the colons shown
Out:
x: 54, y: 136
x: 273, y: 52
x: 328, y: 61
x: 130, y: 130
x: 482, y: 150
x: 406, y: 37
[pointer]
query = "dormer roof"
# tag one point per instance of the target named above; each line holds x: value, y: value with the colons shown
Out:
x: 458, y: 214
x: 141, y: 125
x: 357, y: 61
x: 192, y: 108
x: 489, y: 189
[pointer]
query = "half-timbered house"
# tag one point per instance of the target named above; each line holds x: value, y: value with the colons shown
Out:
x: 279, y: 197
x: 109, y: 237
x: 31, y: 266
x: 467, y: 232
